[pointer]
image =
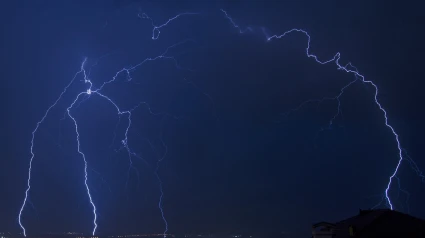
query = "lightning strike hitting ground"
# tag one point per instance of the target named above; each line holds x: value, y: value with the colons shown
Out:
x: 32, y: 145
x: 349, y: 68
x: 84, y: 158
x: 88, y: 94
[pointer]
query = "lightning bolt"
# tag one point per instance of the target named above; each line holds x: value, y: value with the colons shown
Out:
x: 84, y: 158
x: 349, y: 68
x: 86, y: 95
x: 89, y: 92
x: 336, y: 59
x: 32, y: 144
x: 120, y: 112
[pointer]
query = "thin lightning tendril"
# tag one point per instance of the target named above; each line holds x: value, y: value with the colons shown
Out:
x: 161, y: 197
x: 156, y: 172
x: 155, y: 30
x: 405, y: 192
x: 235, y: 25
x: 414, y: 166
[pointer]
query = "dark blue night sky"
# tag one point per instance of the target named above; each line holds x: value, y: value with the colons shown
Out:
x: 234, y: 160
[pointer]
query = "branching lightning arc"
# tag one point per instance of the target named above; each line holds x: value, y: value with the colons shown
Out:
x: 349, y: 68
x: 88, y: 93
x: 85, y: 95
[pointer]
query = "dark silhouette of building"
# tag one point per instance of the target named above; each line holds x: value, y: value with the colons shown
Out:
x: 372, y: 223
